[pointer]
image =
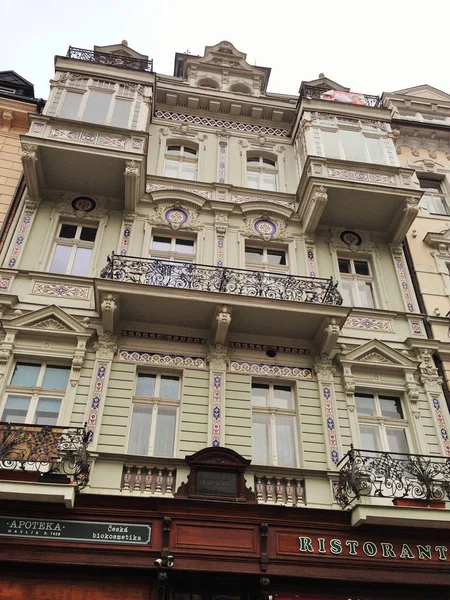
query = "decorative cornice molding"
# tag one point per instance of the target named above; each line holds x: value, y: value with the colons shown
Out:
x: 165, y: 360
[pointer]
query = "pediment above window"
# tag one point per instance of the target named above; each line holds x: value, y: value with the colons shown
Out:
x: 377, y: 354
x: 121, y: 49
x: 52, y: 320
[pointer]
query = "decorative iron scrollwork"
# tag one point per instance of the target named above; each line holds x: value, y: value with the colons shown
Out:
x: 45, y: 450
x: 107, y: 58
x: 386, y: 475
x: 208, y: 278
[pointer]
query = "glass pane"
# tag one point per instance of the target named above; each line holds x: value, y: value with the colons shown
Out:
x: 68, y: 231
x: 25, y: 374
x: 253, y: 180
x: 71, y: 105
x: 347, y: 291
x: 365, y: 405
x: 361, y: 267
x: 161, y: 243
x: 397, y: 440
x: 436, y: 205
x: 88, y: 234
x: 82, y: 261
x: 353, y: 143
x: 391, y: 407
x: 330, y: 144
x: 376, y: 151
x: 269, y: 182
x: 260, y: 394
x: 97, y: 106
x: 260, y: 439
x: 146, y: 386
x: 190, y: 151
x: 165, y: 431
x: 430, y: 184
x: 56, y: 378
x: 121, y: 113
x: 253, y: 255
x: 253, y: 160
x: 184, y: 246
x: 276, y: 257
x: 174, y: 150
x: 47, y: 411
x: 285, y: 441
x: 269, y: 163
x: 366, y: 294
x: 16, y: 409
x: 188, y: 171
x: 141, y: 423
x: 344, y: 265
x: 370, y: 438
x: 61, y: 259
x: 282, y: 396
x: 169, y: 387
x: 171, y: 168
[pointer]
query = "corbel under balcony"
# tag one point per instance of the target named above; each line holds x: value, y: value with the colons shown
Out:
x: 338, y: 193
x: 29, y: 161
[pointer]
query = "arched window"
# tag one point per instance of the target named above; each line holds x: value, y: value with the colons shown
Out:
x: 181, y: 162
x: 262, y: 173
x: 208, y: 83
x: 240, y: 88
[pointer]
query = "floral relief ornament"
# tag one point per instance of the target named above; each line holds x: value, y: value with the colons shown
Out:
x: 265, y: 228
x: 175, y: 217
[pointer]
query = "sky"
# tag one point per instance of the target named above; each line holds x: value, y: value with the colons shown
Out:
x: 369, y: 46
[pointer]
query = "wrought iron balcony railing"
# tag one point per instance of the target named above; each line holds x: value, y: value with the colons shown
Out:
x: 208, y: 278
x: 45, y: 450
x: 326, y: 93
x: 386, y: 475
x: 107, y: 58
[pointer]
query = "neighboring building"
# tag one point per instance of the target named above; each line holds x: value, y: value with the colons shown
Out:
x: 263, y: 415
x: 17, y: 101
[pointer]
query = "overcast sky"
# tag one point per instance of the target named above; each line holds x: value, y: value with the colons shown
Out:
x: 369, y: 46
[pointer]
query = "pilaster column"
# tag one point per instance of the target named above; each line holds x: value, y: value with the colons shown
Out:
x: 399, y: 263
x: 222, y: 159
x: 324, y: 371
x: 105, y: 348
x: 310, y: 256
x: 218, y: 361
x: 126, y: 231
x: 22, y: 233
x: 220, y: 228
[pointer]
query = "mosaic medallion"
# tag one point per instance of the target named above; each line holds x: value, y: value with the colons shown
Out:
x: 351, y: 238
x: 176, y: 216
x: 265, y: 228
x: 83, y: 204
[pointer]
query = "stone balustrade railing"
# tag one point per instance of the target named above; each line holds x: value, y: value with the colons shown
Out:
x: 283, y: 491
x: 148, y: 480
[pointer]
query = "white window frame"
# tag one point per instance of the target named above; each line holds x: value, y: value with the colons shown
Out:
x: 157, y: 401
x: 381, y: 423
x: 181, y: 158
x: 75, y: 243
x: 173, y: 254
x: 115, y: 89
x: 274, y: 411
x: 37, y: 391
x: 432, y: 196
x: 354, y: 278
x: 261, y: 169
x: 364, y: 134
x: 264, y: 264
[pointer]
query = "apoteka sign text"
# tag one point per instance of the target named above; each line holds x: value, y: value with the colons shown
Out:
x: 77, y: 531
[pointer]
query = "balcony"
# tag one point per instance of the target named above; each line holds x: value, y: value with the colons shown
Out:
x: 342, y: 97
x: 408, y: 479
x: 107, y: 58
x: 44, y: 454
x: 355, y: 195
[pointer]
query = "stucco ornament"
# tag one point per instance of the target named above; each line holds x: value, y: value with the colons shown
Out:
x: 175, y: 217
x: 265, y: 227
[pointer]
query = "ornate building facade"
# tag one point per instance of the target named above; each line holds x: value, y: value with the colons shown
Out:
x: 217, y: 378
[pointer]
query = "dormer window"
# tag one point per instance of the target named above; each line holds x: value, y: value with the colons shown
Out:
x: 208, y: 83
x: 181, y: 162
x: 262, y: 173
x: 240, y: 88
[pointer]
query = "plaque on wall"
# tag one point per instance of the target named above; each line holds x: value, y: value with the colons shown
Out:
x: 217, y: 483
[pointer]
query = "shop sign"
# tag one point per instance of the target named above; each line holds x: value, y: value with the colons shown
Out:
x: 97, y: 532
x: 334, y: 546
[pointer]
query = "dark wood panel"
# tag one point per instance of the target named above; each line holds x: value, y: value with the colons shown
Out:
x: 215, y: 537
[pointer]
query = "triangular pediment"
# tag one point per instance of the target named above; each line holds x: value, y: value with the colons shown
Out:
x: 323, y: 81
x: 51, y: 319
x: 377, y: 354
x: 424, y: 91
x: 121, y: 49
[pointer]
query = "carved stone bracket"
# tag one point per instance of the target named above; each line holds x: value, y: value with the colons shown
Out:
x: 132, y: 178
x: 106, y: 347
x: 29, y: 158
x: 223, y: 320
x: 217, y: 357
x: 77, y: 361
x: 329, y: 335
x: 110, y: 311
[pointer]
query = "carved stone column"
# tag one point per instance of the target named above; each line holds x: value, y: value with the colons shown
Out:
x: 325, y: 371
x: 218, y: 361
x: 105, y: 348
x: 433, y: 389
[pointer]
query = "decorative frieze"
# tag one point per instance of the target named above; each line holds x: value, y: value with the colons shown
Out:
x: 369, y: 324
x: 266, y: 370
x: 153, y: 187
x: 239, y: 199
x: 264, y: 348
x: 86, y: 137
x: 60, y: 290
x: 364, y: 176
x: 165, y: 360
x: 147, y: 335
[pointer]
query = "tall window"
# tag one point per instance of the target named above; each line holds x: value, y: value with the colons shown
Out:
x: 356, y: 282
x: 434, y: 199
x: 155, y: 408
x: 173, y: 248
x: 181, y: 162
x: 353, y: 145
x: 273, y: 416
x: 35, y: 393
x: 73, y: 249
x: 382, y: 425
x: 257, y: 257
x: 262, y: 173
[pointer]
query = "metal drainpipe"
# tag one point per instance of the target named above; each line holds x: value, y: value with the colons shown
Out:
x: 416, y: 286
